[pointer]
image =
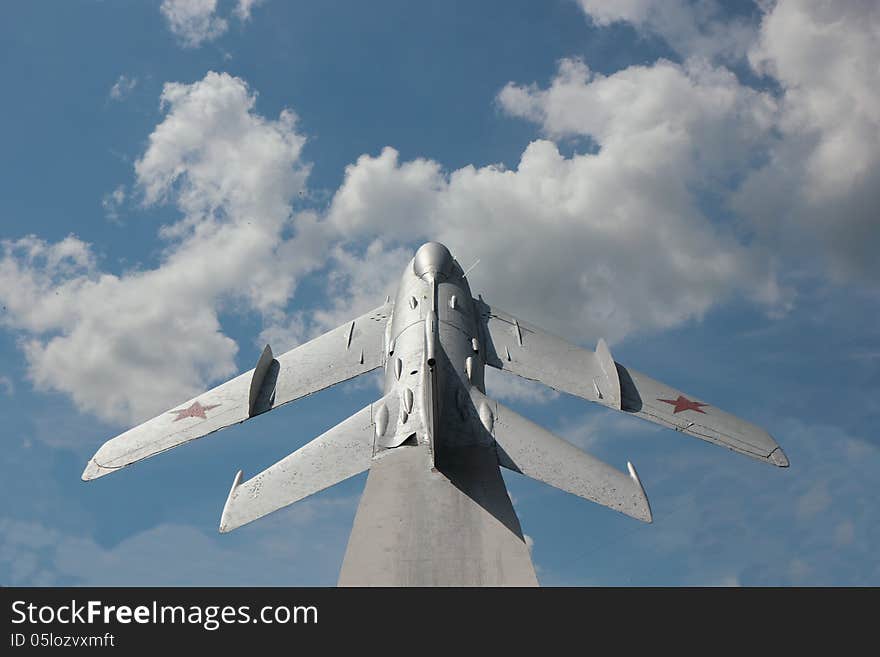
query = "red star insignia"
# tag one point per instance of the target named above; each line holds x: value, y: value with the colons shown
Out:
x: 196, y: 410
x: 685, y: 404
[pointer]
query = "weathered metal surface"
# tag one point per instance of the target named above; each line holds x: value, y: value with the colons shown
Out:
x: 661, y: 404
x: 453, y: 526
x: 530, y: 449
x: 587, y: 374
x: 515, y: 346
x: 340, y: 453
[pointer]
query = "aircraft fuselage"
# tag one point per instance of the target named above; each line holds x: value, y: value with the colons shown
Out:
x: 433, y: 342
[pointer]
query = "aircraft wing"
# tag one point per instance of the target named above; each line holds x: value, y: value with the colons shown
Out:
x: 528, y: 448
x: 334, y: 456
x: 523, y: 349
x: 659, y: 403
x: 515, y: 346
x: 338, y: 355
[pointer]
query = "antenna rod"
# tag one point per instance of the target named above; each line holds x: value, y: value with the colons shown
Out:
x: 471, y: 268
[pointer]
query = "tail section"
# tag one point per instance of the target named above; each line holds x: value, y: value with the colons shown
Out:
x: 334, y: 456
x: 529, y: 449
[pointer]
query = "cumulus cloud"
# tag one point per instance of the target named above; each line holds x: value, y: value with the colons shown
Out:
x: 359, y: 280
x: 822, y: 179
x: 815, y: 188
x: 614, y: 240
x: 355, y: 282
x: 693, y: 123
x: 690, y: 27
x: 195, y: 22
x: 108, y: 339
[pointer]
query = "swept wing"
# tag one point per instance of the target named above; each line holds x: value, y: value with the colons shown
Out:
x: 334, y: 456
x: 520, y: 348
x: 530, y: 449
x: 340, y: 354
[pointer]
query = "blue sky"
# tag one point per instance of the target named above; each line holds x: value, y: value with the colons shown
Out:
x: 183, y: 181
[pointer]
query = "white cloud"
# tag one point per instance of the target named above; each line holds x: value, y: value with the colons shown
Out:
x: 511, y: 388
x: 123, y: 86
x: 382, y: 196
x: 822, y: 181
x: 174, y: 554
x: 7, y: 385
x: 690, y: 27
x: 613, y: 241
x: 358, y: 282
x: 815, y: 189
x: 285, y: 331
x: 126, y: 346
x: 599, y: 424
x: 354, y: 283
x: 680, y: 107
x: 244, y: 7
x: 193, y: 22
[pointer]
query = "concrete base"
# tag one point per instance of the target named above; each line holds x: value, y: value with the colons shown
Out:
x: 451, y: 527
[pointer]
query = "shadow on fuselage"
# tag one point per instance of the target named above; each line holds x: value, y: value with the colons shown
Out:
x: 464, y: 451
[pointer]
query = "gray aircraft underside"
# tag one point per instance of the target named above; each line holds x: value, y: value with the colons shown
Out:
x: 435, y: 510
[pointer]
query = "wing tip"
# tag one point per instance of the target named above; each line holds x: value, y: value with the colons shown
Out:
x: 778, y: 458
x: 643, y: 511
x: 226, y: 524
x: 95, y: 470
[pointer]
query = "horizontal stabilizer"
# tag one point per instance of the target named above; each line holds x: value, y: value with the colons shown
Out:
x: 341, y: 354
x: 530, y: 449
x: 334, y: 456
